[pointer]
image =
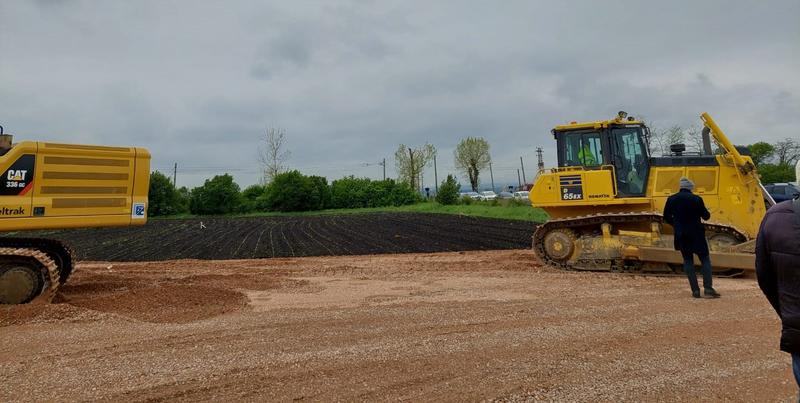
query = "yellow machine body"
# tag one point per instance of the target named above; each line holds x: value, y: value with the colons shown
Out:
x: 622, y: 180
x: 53, y: 186
x: 731, y: 199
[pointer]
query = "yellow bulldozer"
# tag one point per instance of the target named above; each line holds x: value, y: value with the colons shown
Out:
x: 53, y: 186
x: 606, y: 196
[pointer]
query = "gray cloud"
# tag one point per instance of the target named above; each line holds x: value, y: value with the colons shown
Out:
x: 197, y: 83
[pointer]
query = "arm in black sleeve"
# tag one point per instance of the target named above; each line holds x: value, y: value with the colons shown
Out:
x: 668, y: 211
x: 703, y: 210
x: 765, y: 273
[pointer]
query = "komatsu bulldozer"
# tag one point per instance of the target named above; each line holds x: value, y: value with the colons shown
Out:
x: 54, y: 186
x: 606, y: 196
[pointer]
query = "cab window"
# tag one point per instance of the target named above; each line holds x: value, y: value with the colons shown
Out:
x: 582, y: 148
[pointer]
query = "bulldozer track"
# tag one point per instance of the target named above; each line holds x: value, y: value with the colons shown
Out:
x: 616, y: 265
x: 52, y: 255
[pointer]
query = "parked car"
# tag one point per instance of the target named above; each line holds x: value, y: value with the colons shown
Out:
x: 782, y: 191
x: 488, y: 195
x: 505, y: 195
x: 521, y: 195
x: 472, y: 195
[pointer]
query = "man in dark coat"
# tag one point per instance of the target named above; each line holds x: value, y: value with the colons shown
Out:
x: 683, y: 211
x: 778, y: 272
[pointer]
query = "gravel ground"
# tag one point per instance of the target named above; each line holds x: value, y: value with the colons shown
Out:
x: 472, y: 326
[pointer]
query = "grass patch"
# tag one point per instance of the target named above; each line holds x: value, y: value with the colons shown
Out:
x: 508, y: 211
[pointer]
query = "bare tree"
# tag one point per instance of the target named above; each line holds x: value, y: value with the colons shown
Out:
x: 472, y: 156
x: 272, y: 154
x: 673, y: 135
x: 655, y: 140
x: 410, y: 162
x: 694, y: 137
x: 787, y: 151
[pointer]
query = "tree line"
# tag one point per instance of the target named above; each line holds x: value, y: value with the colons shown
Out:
x: 287, y: 192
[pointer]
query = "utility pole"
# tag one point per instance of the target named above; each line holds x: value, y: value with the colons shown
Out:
x: 539, y: 155
x: 435, y: 175
x: 519, y: 180
x: 174, y: 176
x: 413, y: 175
x: 491, y: 175
x: 524, y: 180
x: 384, y: 168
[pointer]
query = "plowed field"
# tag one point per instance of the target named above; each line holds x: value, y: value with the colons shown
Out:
x: 262, y: 237
x: 468, y: 326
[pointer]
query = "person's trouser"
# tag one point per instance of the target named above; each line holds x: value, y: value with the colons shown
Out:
x: 688, y: 267
x: 796, y: 367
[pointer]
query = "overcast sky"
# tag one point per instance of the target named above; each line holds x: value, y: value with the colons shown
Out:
x: 197, y: 82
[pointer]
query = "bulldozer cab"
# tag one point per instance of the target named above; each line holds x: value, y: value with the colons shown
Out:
x: 614, y: 145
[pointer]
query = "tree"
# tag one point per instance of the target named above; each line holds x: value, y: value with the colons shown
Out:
x: 163, y: 198
x: 694, y: 137
x: 659, y: 141
x: 218, y: 195
x: 787, y: 151
x: 292, y: 191
x: 448, y: 191
x: 653, y: 138
x: 472, y: 156
x: 776, y: 173
x: 250, y: 197
x: 272, y: 154
x: 410, y: 161
x: 322, y: 191
x: 674, y: 135
x: 761, y: 152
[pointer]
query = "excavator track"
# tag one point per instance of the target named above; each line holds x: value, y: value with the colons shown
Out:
x: 37, y: 266
x: 574, y: 227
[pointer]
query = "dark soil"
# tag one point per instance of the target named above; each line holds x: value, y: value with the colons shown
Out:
x: 264, y: 237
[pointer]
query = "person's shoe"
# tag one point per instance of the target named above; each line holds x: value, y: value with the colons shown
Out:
x: 696, y: 294
x: 711, y: 293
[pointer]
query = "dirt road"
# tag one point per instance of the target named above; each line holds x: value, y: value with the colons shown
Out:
x: 420, y: 327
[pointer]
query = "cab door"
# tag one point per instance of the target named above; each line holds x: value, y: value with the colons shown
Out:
x: 630, y: 161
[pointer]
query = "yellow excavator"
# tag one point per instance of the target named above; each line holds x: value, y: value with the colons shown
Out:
x: 607, y: 194
x: 54, y: 186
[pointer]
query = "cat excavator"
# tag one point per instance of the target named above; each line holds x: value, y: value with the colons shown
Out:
x: 606, y: 196
x: 48, y: 185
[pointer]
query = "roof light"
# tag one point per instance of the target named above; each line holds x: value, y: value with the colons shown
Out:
x: 622, y: 114
x: 573, y: 123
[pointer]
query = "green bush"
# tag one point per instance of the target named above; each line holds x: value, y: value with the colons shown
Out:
x: 352, y: 192
x: 163, y: 198
x: 322, y: 192
x: 448, y: 191
x: 293, y: 191
x: 249, y: 199
x: 776, y: 173
x: 403, y: 194
x: 466, y: 200
x: 219, y: 195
